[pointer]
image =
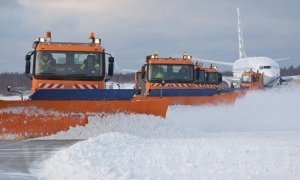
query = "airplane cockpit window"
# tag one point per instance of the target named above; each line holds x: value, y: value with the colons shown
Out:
x: 264, y: 67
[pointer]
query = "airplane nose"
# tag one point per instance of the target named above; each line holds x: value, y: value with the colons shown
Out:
x: 270, y: 76
x: 271, y: 73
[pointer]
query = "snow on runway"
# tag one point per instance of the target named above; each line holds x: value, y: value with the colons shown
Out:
x: 256, y: 138
x: 260, y: 111
x: 123, y: 156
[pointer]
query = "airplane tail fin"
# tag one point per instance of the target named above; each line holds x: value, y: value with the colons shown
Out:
x: 242, y: 52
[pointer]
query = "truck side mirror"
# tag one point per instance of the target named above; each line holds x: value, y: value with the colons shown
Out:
x: 143, y: 73
x: 148, y: 57
x: 111, y: 61
x: 27, y: 65
x: 220, y: 78
x: 28, y: 57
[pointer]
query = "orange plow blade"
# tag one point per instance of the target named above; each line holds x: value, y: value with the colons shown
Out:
x: 22, y: 126
x: 222, y: 98
x: 35, y: 118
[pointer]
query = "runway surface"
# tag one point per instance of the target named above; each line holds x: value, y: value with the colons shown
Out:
x: 19, y: 159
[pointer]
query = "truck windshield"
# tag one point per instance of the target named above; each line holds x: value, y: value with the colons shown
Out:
x: 69, y: 65
x: 170, y: 73
x: 212, y: 77
x: 246, y: 78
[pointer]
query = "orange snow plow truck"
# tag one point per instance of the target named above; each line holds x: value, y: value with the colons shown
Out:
x: 252, y: 80
x: 68, y: 85
x: 182, y: 82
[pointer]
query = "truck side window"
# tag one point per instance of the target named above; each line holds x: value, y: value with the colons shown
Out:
x: 199, y: 76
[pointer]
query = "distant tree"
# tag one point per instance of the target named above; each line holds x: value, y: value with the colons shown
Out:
x: 290, y: 71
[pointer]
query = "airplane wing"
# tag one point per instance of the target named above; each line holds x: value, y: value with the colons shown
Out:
x: 214, y: 62
x: 281, y: 59
x: 231, y: 79
x: 124, y: 70
x: 297, y: 77
x: 129, y: 70
x: 291, y: 78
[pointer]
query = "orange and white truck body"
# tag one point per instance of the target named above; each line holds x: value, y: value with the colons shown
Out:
x: 68, y: 85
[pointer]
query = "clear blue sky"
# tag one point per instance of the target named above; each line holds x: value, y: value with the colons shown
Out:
x: 132, y: 29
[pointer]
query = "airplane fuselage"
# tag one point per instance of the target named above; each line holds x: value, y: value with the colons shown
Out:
x: 265, y: 65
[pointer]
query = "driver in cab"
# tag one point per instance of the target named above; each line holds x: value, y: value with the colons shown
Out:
x: 184, y: 72
x: 46, y: 62
x: 90, y: 64
x: 158, y: 72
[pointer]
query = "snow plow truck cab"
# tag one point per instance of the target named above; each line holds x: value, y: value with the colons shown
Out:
x: 182, y: 81
x: 252, y: 80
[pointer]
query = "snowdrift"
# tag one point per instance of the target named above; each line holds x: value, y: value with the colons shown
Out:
x: 256, y: 138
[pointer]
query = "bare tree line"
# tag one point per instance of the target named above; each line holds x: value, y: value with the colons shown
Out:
x: 290, y: 71
x: 19, y: 81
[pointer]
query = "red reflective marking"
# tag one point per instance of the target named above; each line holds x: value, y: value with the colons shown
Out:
x: 76, y: 86
x: 42, y: 85
x: 94, y: 86
x: 85, y: 86
x: 51, y: 85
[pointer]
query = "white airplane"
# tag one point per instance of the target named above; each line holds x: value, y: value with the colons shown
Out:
x: 269, y: 67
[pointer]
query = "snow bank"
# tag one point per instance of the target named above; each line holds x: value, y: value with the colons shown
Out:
x: 147, y: 126
x: 260, y: 110
x: 256, y: 138
x: 13, y: 97
x: 123, y: 156
x: 268, y: 110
